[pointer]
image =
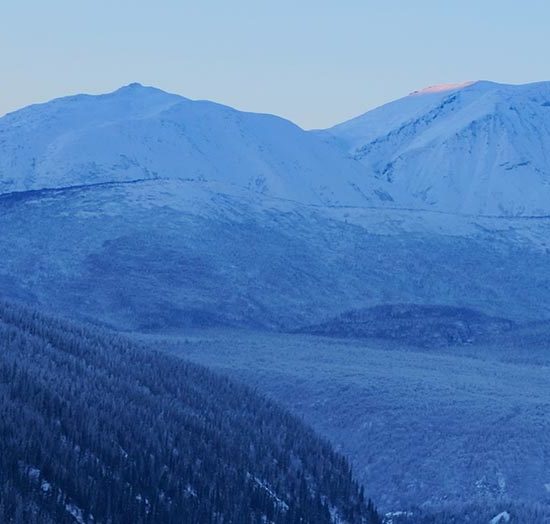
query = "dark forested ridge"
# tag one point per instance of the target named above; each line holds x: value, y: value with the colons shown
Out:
x: 96, y: 429
x: 416, y: 324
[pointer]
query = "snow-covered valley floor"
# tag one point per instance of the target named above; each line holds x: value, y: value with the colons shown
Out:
x: 433, y: 428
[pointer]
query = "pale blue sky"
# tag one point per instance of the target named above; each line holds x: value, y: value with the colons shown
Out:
x: 316, y: 62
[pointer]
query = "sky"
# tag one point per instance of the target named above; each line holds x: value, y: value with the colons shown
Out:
x: 316, y: 62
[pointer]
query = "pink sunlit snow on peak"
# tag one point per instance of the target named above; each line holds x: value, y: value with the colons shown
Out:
x: 440, y: 88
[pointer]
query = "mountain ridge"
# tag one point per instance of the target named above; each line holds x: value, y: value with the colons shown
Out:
x: 141, y: 132
x: 479, y: 149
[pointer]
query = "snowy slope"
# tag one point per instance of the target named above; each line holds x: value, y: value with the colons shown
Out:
x: 476, y: 148
x: 140, y: 132
x: 171, y: 253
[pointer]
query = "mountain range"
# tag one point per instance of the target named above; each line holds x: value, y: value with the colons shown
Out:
x: 404, y: 254
x: 478, y: 148
x: 144, y: 209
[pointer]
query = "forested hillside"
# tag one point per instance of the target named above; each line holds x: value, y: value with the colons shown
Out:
x: 415, y: 324
x: 96, y: 429
x: 453, y: 434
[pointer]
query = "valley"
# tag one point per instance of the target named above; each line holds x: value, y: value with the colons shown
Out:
x: 430, y: 429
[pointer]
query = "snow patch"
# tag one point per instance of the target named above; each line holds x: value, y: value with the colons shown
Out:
x: 390, y: 516
x: 280, y: 503
x: 75, y: 512
x: 501, y: 518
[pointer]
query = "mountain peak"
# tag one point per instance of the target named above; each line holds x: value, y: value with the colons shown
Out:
x: 135, y: 88
x: 440, y: 88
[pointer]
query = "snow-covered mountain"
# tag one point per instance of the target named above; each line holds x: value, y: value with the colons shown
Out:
x: 148, y: 212
x: 197, y: 213
x: 477, y: 148
x: 139, y: 132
